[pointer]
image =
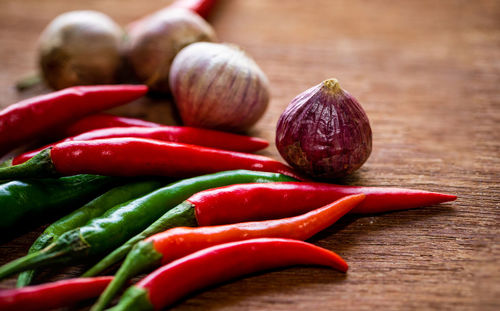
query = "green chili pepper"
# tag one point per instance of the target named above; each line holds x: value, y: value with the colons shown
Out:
x: 118, y: 224
x: 81, y: 216
x: 30, y: 198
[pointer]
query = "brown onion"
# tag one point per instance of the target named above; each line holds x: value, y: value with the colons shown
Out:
x: 324, y: 132
x: 80, y: 48
x: 154, y: 42
x: 218, y: 86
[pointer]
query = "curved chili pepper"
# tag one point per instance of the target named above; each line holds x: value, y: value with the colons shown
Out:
x: 52, y: 295
x: 100, y: 121
x: 115, y: 226
x: 89, y: 211
x: 219, y: 264
x: 175, y: 243
x: 179, y: 134
x: 292, y: 198
x: 35, y: 116
x: 249, y: 202
x: 136, y: 157
x: 20, y: 199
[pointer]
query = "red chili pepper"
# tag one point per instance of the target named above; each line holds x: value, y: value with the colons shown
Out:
x: 181, y: 241
x: 52, y: 295
x: 38, y: 115
x: 201, y: 7
x: 215, y: 206
x: 222, y: 263
x: 136, y: 157
x: 179, y: 134
x: 100, y: 121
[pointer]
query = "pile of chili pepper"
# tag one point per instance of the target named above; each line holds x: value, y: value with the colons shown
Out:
x: 230, y: 206
x: 123, y: 221
x: 234, y: 211
x: 253, y: 201
x: 162, y: 248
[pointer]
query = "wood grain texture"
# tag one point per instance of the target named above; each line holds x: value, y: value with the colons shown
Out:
x: 426, y: 72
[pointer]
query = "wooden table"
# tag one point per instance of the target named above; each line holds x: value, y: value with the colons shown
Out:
x: 426, y: 72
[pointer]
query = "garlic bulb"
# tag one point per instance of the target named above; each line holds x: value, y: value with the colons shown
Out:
x: 324, y: 132
x: 80, y: 48
x: 154, y: 42
x: 218, y: 86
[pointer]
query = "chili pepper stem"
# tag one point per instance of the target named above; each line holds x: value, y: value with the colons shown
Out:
x: 143, y: 256
x: 28, y: 81
x: 55, y: 253
x: 26, y: 276
x: 30, y: 261
x: 6, y: 163
x: 134, y: 298
x: 181, y: 215
x: 39, y: 165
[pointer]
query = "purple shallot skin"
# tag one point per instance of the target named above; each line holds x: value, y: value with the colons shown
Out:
x: 324, y: 132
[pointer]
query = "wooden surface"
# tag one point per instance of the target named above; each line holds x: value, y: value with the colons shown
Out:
x: 426, y: 72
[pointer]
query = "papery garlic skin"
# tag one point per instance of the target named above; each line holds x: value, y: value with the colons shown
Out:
x: 153, y: 43
x: 80, y: 48
x: 324, y: 132
x: 218, y: 86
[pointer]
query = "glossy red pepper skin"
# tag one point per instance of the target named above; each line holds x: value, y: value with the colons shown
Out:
x: 179, y: 134
x: 100, y: 121
x: 52, y: 295
x: 214, y: 207
x: 138, y: 157
x: 222, y: 263
x: 36, y: 116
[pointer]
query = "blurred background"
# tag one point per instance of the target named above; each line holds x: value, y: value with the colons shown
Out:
x: 427, y: 74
